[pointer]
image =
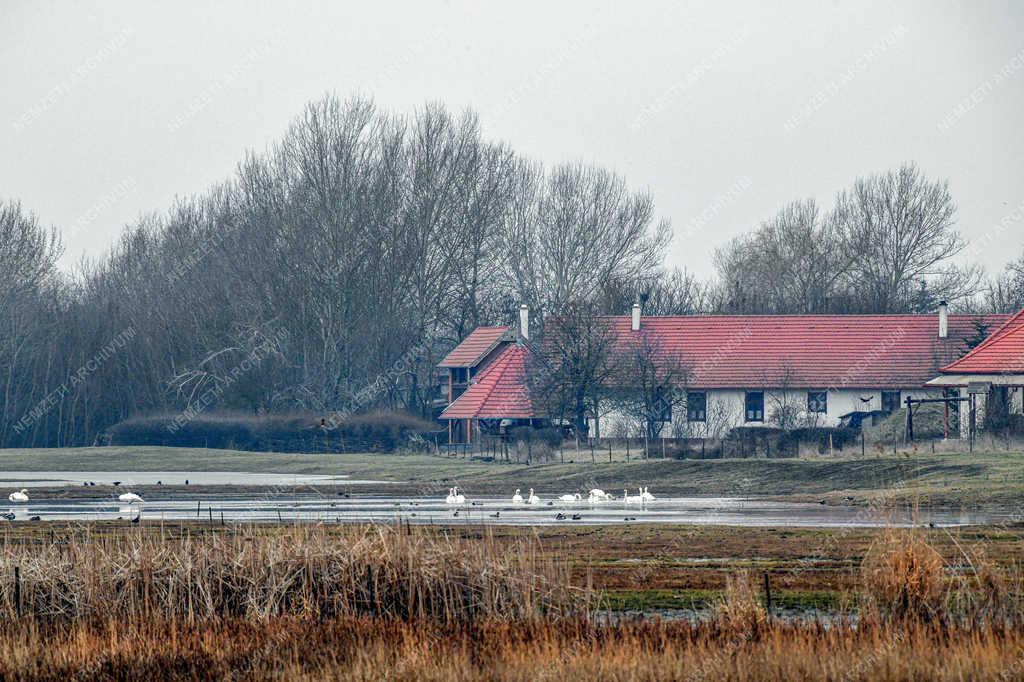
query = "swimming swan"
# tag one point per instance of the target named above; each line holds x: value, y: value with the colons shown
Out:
x: 646, y: 496
x: 451, y: 497
x: 131, y: 498
x: 598, y: 495
x: 517, y: 498
x: 459, y: 497
x: 632, y: 499
x: 532, y: 499
x: 19, y: 496
x: 570, y: 498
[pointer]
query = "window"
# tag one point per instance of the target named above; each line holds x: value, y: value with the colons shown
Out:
x: 696, y: 407
x: 890, y: 401
x: 817, y: 401
x: 662, y: 407
x: 755, y: 406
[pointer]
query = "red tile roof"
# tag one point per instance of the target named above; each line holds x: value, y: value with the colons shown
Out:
x: 806, y: 351
x: 1001, y: 353
x: 500, y: 391
x: 474, y: 347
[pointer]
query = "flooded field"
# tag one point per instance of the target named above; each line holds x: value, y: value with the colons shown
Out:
x: 46, y: 479
x: 343, y: 506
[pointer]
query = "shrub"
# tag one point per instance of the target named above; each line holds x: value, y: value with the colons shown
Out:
x: 297, y: 432
x: 928, y: 424
x: 902, y: 577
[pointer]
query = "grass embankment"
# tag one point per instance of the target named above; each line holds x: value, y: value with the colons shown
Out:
x: 993, y: 480
x: 183, y: 602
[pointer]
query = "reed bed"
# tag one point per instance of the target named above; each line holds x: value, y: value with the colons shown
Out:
x: 537, y: 649
x: 416, y: 603
x: 397, y: 573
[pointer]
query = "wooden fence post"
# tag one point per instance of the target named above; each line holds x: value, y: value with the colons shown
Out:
x: 17, y: 591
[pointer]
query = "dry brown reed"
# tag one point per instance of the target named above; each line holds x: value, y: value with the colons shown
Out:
x: 536, y: 649
x: 902, y: 576
x: 740, y: 610
x: 416, y: 603
x: 398, y: 573
x: 905, y: 579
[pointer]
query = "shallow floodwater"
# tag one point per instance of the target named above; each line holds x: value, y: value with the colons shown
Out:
x: 46, y: 479
x: 352, y: 507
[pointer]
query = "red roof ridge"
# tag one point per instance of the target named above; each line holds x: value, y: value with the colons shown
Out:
x: 1012, y: 325
x: 477, y: 398
x: 475, y: 347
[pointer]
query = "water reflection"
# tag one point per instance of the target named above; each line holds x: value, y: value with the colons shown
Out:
x: 284, y: 507
x: 43, y: 479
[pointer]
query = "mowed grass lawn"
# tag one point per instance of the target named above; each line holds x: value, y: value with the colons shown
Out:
x: 982, y: 479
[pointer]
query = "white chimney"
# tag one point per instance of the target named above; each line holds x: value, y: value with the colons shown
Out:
x: 943, y: 320
x: 635, y: 326
x: 524, y: 321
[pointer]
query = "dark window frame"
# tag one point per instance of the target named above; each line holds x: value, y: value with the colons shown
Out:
x: 817, y: 402
x: 755, y: 415
x: 888, y: 405
x: 693, y: 414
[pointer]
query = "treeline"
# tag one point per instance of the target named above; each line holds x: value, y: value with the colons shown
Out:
x: 333, y: 271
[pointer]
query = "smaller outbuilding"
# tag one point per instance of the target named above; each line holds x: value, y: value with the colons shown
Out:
x: 991, y: 379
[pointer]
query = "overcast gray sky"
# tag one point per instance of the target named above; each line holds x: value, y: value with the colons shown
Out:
x: 724, y: 111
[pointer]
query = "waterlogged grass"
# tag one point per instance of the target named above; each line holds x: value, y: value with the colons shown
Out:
x: 703, y: 600
x: 187, y: 601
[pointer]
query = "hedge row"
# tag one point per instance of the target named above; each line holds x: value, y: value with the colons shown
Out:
x: 369, y: 432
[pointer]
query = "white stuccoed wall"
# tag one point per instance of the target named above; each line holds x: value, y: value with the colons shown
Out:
x: 728, y: 407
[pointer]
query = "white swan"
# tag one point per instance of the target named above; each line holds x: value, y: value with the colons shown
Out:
x: 459, y: 497
x: 19, y: 496
x: 646, y: 496
x: 570, y: 498
x: 451, y: 497
x: 632, y: 499
x: 532, y: 499
x: 598, y: 495
x: 131, y: 498
x: 517, y: 498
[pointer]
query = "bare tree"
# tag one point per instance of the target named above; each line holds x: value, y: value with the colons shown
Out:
x: 650, y: 381
x: 579, y: 355
x: 674, y: 292
x: 720, y: 417
x: 1005, y: 292
x: 791, y: 264
x: 900, y: 225
x: 576, y: 229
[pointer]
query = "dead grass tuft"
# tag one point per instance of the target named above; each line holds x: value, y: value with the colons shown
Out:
x: 740, y: 611
x: 902, y: 577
